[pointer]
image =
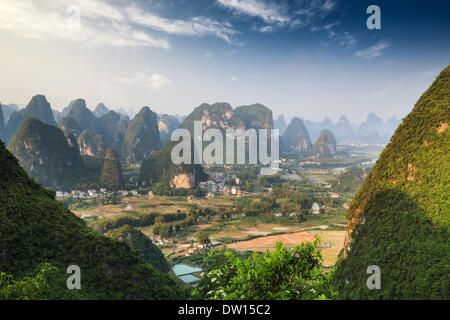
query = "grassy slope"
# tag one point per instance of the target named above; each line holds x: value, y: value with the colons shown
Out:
x: 34, y: 228
x: 399, y: 219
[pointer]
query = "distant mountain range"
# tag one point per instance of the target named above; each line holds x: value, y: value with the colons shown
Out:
x: 372, y: 131
x: 93, y: 132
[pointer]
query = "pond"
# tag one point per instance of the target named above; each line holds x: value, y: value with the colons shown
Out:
x: 182, y: 269
x: 189, y: 278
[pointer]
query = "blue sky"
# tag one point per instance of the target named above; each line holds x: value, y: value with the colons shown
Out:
x: 306, y: 58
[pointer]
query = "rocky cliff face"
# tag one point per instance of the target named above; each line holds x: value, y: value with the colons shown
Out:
x: 70, y: 126
x: 325, y: 146
x: 142, y: 137
x: 183, y: 181
x: 222, y: 116
x: 111, y: 176
x: 91, y: 144
x: 166, y: 125
x: 296, y: 138
x: 217, y: 115
x: 399, y: 220
x: 45, y: 153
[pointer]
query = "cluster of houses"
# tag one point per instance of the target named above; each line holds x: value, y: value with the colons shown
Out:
x: 93, y: 193
x: 217, y: 185
x: 315, y: 209
x: 189, y: 245
x: 156, y: 239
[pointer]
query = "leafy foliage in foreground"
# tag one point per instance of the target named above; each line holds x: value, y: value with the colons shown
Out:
x: 284, y: 274
x: 29, y: 288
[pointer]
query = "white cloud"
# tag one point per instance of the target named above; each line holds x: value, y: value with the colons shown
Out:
x: 312, y: 11
x: 328, y: 5
x: 154, y: 81
x: 264, y: 29
x: 196, y: 26
x: 102, y: 24
x: 372, y: 52
x: 270, y: 12
x: 231, y: 52
x: 234, y: 78
x: 282, y: 14
x: 345, y: 39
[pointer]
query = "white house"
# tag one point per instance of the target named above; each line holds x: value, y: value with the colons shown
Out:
x: 315, y: 208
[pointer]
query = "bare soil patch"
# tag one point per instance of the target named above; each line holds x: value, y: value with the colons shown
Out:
x: 268, y: 243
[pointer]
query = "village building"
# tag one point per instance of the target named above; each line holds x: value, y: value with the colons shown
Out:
x: 315, y: 209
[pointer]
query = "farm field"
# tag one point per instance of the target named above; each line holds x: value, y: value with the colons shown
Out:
x: 143, y: 204
x: 239, y: 233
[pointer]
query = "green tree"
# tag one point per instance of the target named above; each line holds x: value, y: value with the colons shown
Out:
x: 203, y: 237
x: 29, y: 288
x: 283, y: 274
x: 286, y: 208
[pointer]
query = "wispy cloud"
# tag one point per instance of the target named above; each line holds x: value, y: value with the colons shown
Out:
x: 309, y: 12
x: 372, y: 52
x: 275, y: 15
x: 264, y: 29
x: 270, y: 12
x: 345, y: 39
x: 100, y: 23
x: 196, y: 26
x: 103, y: 24
x: 154, y: 81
